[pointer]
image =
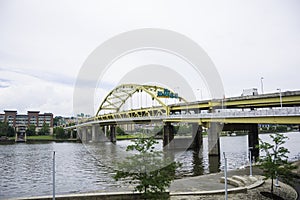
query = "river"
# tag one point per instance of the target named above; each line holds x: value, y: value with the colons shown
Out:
x: 26, y: 169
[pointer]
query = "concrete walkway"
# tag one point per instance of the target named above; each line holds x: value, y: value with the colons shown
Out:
x: 206, y: 182
x: 240, y: 186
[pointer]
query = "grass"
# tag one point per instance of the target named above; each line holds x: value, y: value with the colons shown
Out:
x: 131, y: 136
x: 40, y: 137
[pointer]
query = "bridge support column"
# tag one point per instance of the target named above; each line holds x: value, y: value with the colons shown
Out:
x: 79, y: 135
x: 253, y: 140
x: 197, y: 136
x: 113, y: 133
x: 213, y: 133
x: 89, y: 133
x: 71, y: 133
x: 168, y: 134
x: 83, y: 134
x: 104, y: 129
x: 94, y: 133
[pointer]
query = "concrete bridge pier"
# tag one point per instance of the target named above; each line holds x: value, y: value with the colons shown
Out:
x: 79, y: 134
x: 72, y: 134
x: 89, y: 133
x: 197, y: 136
x: 104, y: 130
x: 253, y: 140
x: 113, y: 138
x: 83, y: 134
x: 213, y: 134
x: 94, y: 133
x: 168, y: 133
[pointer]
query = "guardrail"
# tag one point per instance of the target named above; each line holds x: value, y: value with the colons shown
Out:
x: 225, y: 113
x: 293, y: 111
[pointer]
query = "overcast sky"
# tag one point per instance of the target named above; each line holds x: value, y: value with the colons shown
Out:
x: 43, y: 44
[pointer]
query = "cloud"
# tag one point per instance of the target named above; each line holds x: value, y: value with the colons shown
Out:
x: 4, y: 83
x: 42, y: 75
x: 27, y: 92
x: 43, y: 45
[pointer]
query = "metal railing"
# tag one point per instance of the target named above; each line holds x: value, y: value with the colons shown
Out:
x: 225, y: 113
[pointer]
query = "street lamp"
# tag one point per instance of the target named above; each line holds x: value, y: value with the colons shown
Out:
x: 225, y: 174
x: 280, y: 96
x: 200, y: 93
x: 250, y: 159
x: 262, y: 84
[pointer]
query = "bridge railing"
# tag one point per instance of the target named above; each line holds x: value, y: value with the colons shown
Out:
x: 225, y: 113
x: 291, y: 111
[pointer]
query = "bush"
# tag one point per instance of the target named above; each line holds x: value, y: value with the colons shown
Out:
x: 60, y: 133
x: 45, y: 130
x: 6, y: 130
x: 30, y: 130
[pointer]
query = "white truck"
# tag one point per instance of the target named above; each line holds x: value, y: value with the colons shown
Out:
x: 250, y: 92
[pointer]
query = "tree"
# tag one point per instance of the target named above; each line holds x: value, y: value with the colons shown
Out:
x: 274, y: 162
x: 56, y: 120
x: 60, y: 133
x: 150, y: 170
x: 30, y: 130
x: 120, y: 131
x: 6, y: 130
x: 45, y: 130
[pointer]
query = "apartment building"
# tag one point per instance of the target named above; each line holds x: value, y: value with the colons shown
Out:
x: 21, y: 121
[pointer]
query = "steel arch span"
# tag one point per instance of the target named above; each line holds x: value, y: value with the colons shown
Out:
x: 117, y: 98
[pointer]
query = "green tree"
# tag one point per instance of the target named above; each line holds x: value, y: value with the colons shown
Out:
x: 120, y: 131
x: 6, y: 130
x: 56, y: 120
x: 274, y: 161
x: 30, y: 130
x: 149, y: 170
x: 45, y: 130
x: 60, y: 133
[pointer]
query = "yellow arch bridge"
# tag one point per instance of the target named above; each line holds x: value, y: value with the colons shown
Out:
x: 146, y: 104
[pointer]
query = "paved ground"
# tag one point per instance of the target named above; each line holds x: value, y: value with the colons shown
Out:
x: 211, y: 182
x: 207, y: 182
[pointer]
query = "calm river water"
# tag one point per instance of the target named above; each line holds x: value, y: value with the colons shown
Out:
x: 26, y: 169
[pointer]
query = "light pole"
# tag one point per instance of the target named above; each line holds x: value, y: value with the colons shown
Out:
x: 225, y: 174
x: 280, y: 96
x: 53, y: 176
x: 200, y: 93
x: 262, y: 84
x: 250, y: 159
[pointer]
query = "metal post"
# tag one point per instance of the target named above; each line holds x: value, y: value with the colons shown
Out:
x: 225, y: 174
x: 53, y: 175
x: 250, y: 159
x: 280, y: 97
x: 222, y: 104
x: 262, y: 85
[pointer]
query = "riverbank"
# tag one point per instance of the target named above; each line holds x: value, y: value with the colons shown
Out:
x: 209, y: 187
x: 39, y: 140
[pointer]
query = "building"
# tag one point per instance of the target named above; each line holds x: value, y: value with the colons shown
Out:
x: 21, y: 122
